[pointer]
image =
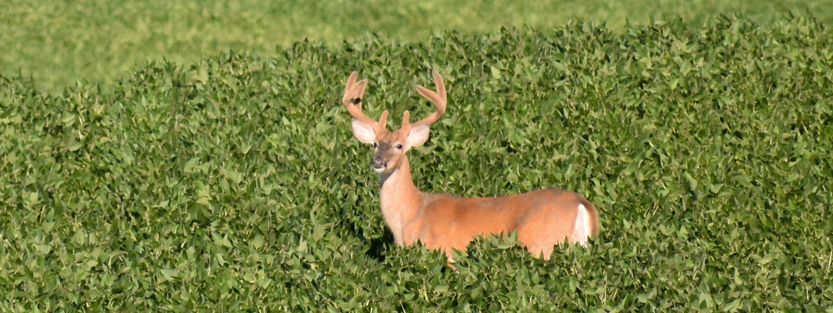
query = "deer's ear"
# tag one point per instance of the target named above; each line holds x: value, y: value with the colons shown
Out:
x: 363, y: 132
x: 418, y: 135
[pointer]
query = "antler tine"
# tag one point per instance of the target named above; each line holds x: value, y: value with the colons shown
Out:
x: 439, y: 100
x: 406, y: 122
x: 440, y: 86
x: 353, y: 101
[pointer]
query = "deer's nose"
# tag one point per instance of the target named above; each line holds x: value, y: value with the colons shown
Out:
x: 379, y: 162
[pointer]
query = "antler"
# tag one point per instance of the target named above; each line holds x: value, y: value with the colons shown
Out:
x: 439, y: 99
x: 353, y: 101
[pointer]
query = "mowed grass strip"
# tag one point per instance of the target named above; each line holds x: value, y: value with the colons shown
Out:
x: 236, y: 184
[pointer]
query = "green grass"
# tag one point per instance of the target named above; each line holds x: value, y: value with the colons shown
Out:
x: 60, y: 42
x: 236, y: 184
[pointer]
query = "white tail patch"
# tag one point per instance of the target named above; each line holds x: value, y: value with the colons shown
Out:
x: 581, y: 231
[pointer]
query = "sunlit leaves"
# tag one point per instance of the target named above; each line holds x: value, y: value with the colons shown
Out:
x: 236, y: 184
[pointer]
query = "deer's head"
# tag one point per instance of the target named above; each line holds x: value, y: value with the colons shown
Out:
x: 390, y: 147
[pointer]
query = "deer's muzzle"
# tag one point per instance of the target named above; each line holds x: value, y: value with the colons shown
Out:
x: 379, y: 163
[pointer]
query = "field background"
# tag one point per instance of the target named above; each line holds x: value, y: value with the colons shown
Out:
x: 60, y: 42
x: 144, y: 168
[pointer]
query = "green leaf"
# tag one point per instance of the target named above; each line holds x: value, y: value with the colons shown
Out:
x: 189, y: 166
x: 257, y: 242
x: 319, y: 232
x: 495, y: 72
x: 169, y: 274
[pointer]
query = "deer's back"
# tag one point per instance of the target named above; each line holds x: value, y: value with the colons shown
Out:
x: 449, y: 220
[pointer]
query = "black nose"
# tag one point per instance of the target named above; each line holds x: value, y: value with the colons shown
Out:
x: 378, y: 162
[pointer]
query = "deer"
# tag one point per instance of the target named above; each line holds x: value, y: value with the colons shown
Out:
x: 542, y: 219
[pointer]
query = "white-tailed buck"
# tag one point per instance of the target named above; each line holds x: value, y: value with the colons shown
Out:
x: 541, y: 218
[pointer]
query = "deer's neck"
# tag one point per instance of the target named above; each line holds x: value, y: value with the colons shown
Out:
x: 400, y: 199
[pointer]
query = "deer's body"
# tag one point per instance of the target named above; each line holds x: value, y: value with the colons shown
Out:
x: 540, y: 218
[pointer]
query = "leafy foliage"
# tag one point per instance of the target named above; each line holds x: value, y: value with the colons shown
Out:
x: 235, y: 183
x: 59, y: 42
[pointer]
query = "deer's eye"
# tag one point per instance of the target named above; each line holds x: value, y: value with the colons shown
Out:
x: 375, y: 145
x: 398, y: 146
